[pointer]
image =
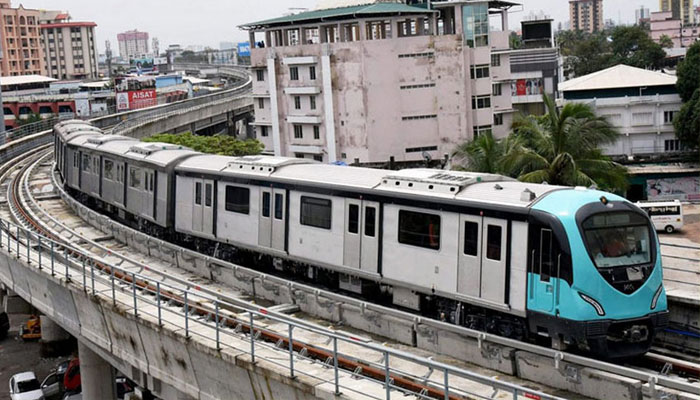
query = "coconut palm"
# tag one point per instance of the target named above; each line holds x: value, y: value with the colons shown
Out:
x: 562, y: 147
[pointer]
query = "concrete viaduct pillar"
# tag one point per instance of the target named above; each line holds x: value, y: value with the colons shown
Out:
x: 96, y: 375
x: 54, y: 339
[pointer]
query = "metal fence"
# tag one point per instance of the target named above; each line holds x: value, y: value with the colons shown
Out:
x: 259, y: 332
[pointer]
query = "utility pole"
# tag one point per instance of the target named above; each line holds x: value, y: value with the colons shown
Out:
x: 108, y: 55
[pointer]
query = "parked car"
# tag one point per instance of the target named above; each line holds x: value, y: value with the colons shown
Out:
x: 4, y: 325
x: 25, y: 386
x: 52, y: 385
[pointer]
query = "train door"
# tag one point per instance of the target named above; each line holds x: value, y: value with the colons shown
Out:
x: 208, y: 208
x: 493, y: 260
x: 543, y: 267
x: 197, y: 205
x: 279, y: 215
x: 361, y: 242
x: 149, y: 193
x: 265, y: 219
x: 469, y: 272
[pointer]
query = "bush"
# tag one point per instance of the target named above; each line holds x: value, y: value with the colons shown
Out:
x: 218, y: 144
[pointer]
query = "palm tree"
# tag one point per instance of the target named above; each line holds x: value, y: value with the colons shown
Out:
x: 562, y: 147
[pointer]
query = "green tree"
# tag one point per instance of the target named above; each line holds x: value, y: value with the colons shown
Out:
x: 217, y: 144
x: 515, y: 40
x: 631, y: 45
x: 666, y: 42
x: 688, y: 73
x: 31, y: 119
x: 483, y: 154
x: 687, y: 122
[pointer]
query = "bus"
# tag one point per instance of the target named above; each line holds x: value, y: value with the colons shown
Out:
x: 666, y: 215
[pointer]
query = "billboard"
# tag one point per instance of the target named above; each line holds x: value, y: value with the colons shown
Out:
x: 160, y: 60
x: 244, y: 49
x: 527, y: 87
x: 141, y: 65
x: 682, y: 188
x: 136, y: 99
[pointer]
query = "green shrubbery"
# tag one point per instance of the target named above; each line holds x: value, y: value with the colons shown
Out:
x: 218, y: 144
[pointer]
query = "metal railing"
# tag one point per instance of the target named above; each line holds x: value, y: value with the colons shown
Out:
x: 260, y: 332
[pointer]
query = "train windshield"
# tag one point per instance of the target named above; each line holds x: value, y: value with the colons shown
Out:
x: 618, y: 239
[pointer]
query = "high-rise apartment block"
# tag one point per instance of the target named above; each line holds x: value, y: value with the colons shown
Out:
x: 680, y: 9
x: 69, y: 47
x: 389, y: 80
x: 133, y: 44
x: 21, y: 41
x: 586, y: 15
x: 641, y: 15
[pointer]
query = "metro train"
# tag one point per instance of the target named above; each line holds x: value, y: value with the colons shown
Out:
x: 573, y: 268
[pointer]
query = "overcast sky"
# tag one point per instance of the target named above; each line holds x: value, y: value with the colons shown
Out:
x: 208, y: 22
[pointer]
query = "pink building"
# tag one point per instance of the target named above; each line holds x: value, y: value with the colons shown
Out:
x: 388, y: 80
x: 662, y: 23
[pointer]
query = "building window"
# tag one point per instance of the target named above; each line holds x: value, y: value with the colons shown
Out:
x: 312, y: 73
x: 480, y: 130
x: 318, y: 157
x: 668, y: 117
x: 498, y: 119
x: 260, y: 75
x: 672, y: 145
x: 495, y: 89
x: 419, y: 229
x: 316, y: 212
x: 297, y: 102
x: 479, y: 102
x: 298, y: 132
x: 480, y: 71
x: 642, y: 119
x: 317, y: 132
x: 312, y: 102
x: 294, y: 73
x: 495, y: 60
x: 238, y: 199
x: 261, y: 103
x: 476, y: 24
x: 263, y: 131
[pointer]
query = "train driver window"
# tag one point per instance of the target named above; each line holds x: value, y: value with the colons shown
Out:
x: 353, y: 218
x: 419, y: 229
x: 370, y: 217
x: 238, y: 200
x: 198, y: 193
x: 493, y: 242
x: 135, y: 178
x: 546, y: 258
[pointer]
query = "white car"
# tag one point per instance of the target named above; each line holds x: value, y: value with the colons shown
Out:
x: 25, y: 386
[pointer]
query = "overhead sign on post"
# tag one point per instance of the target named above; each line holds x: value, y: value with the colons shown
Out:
x: 244, y: 49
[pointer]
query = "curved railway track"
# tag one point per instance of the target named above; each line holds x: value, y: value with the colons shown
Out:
x: 27, y: 211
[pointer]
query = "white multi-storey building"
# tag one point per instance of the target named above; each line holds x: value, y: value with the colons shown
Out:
x: 381, y: 81
x: 641, y: 104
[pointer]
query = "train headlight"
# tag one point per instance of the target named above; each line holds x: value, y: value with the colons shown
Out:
x: 656, y: 296
x: 598, y: 308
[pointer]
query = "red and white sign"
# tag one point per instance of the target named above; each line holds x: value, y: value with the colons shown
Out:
x: 142, y: 99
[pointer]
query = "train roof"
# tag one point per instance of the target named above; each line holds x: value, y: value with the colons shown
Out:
x: 455, y: 185
x: 159, y: 154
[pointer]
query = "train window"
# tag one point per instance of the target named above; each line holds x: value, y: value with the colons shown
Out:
x: 109, y: 169
x: 207, y: 194
x: 237, y: 199
x: 493, y: 242
x: 419, y: 229
x: 86, y: 163
x: 134, y: 177
x: 198, y: 193
x: 75, y: 160
x: 279, y: 206
x: 266, y: 205
x: 471, y: 238
x: 546, y: 257
x: 370, y: 217
x: 354, y: 218
x: 152, y: 178
x: 316, y: 212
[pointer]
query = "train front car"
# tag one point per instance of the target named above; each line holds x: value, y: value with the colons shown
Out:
x: 595, y: 279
